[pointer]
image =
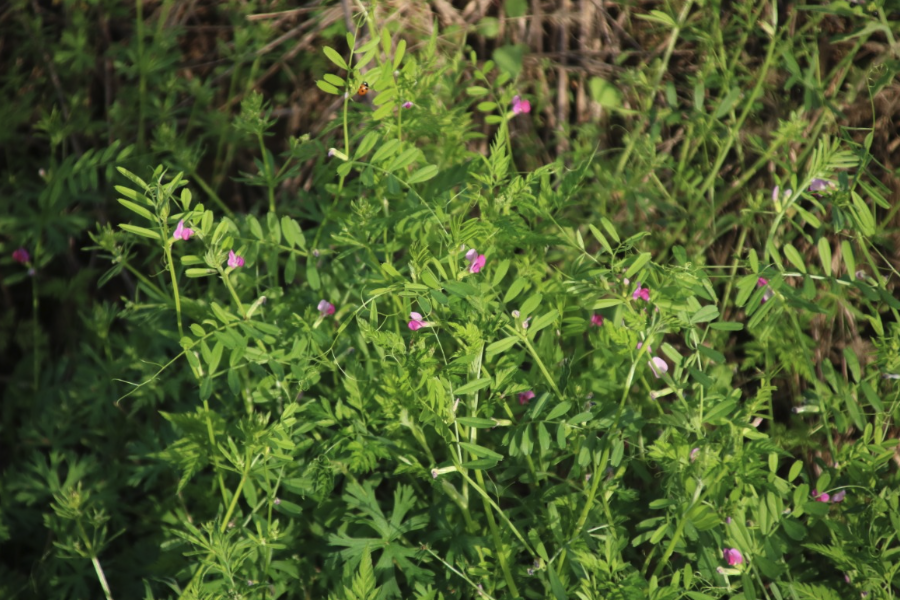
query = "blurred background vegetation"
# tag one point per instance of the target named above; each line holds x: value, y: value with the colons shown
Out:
x: 690, y: 112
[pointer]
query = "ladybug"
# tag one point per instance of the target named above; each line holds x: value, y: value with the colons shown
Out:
x: 363, y: 89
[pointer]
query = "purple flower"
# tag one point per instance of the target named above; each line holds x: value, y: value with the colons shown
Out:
x: 520, y: 105
x: 728, y: 520
x: 642, y: 293
x: 733, y: 556
x: 235, y: 261
x: 823, y: 497
x: 415, y: 321
x: 819, y: 185
x: 21, y: 256
x: 658, y: 366
x: 182, y: 232
x: 326, y: 308
x: 524, y: 397
x: 597, y: 320
x: 476, y: 261
x: 694, y: 454
x: 763, y: 282
x: 407, y: 104
x: 839, y: 496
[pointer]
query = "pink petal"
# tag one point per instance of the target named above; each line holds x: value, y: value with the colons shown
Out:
x: 416, y: 325
x: 21, y: 256
x: 477, y: 264
x: 471, y: 255
x: 415, y: 316
x: 597, y: 320
x: 658, y: 366
x: 524, y: 397
x: 733, y: 556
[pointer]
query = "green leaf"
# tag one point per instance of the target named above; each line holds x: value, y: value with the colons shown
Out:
x: 327, y: 87
x: 476, y: 422
x: 399, y: 52
x: 142, y: 231
x: 423, y: 174
x: 194, y: 273
x: 386, y: 150
x: 334, y: 57
x: 480, y: 451
x: 137, y: 209
x: 794, y: 256
x: 707, y: 313
x: 515, y: 289
x: 559, y: 410
x: 510, y: 58
x: 849, y: 259
x: 727, y: 326
x: 476, y: 91
x: 473, y: 386
x: 312, y: 276
x: 604, y: 93
x: 642, y: 259
x: 825, y: 255
x: 501, y: 346
x: 367, y: 143
x: 606, y: 303
x: 531, y: 304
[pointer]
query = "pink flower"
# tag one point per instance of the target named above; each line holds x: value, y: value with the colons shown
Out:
x: 658, y: 366
x: 762, y: 282
x: 525, y: 323
x: 694, y: 454
x: 818, y: 185
x: 326, y: 308
x: 733, y: 556
x: 524, y: 397
x: 21, y: 256
x: 415, y: 321
x: 728, y: 520
x: 476, y: 261
x: 823, y: 497
x: 235, y: 261
x: 182, y: 232
x: 642, y: 293
x: 520, y: 105
x: 597, y: 320
x: 839, y: 496
x: 407, y: 104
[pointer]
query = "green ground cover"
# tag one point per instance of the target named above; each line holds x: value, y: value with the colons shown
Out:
x: 448, y: 300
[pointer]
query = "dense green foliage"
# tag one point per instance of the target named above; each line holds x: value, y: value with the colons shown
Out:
x: 381, y: 360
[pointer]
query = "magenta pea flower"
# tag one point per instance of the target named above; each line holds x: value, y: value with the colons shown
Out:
x: 763, y: 282
x: 326, y: 308
x: 732, y: 556
x: 658, y: 366
x: 597, y: 320
x: 520, y: 105
x: 823, y: 497
x: 839, y: 496
x: 415, y: 321
x: 235, y: 261
x: 476, y: 261
x: 524, y: 397
x: 819, y: 185
x: 642, y: 293
x: 407, y: 104
x: 21, y: 256
x: 182, y: 232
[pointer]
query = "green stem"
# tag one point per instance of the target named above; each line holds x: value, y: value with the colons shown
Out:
x: 142, y: 75
x: 211, y: 193
x: 102, y: 578
x: 34, y: 322
x: 237, y: 494
x: 168, y: 250
x: 498, y: 544
x: 234, y: 295
x: 541, y: 366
